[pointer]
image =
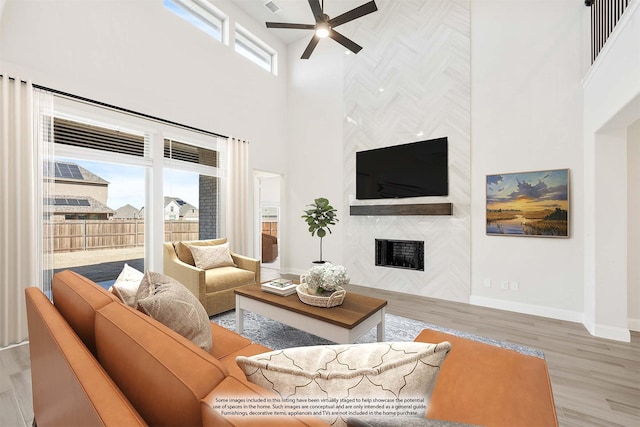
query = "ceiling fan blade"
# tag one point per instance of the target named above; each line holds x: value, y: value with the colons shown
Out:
x: 287, y: 25
x: 349, y: 44
x: 317, y: 10
x: 312, y: 45
x: 356, y: 13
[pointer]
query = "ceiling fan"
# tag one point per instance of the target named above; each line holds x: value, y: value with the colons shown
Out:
x: 324, y: 26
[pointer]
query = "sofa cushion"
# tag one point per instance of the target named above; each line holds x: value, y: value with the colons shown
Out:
x: 492, y: 385
x: 162, y: 374
x: 223, y: 278
x: 184, y: 253
x: 172, y: 304
x: 77, y: 299
x: 393, y: 370
x: 206, y: 257
x: 69, y: 385
x: 127, y: 284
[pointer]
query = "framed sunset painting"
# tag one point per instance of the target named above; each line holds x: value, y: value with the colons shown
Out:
x: 528, y: 204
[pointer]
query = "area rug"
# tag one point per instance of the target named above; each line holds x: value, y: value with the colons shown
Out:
x: 278, y: 336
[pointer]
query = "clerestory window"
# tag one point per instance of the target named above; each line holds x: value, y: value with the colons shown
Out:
x: 203, y: 15
x: 254, y: 49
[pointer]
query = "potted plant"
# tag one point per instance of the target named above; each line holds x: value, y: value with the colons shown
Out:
x: 325, y: 279
x: 319, y: 217
x: 323, y: 285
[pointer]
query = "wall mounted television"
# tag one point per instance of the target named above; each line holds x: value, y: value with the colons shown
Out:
x: 408, y: 170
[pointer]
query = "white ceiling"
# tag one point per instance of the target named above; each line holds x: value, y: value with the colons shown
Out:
x: 294, y: 11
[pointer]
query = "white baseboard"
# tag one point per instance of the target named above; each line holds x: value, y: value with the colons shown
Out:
x: 14, y: 345
x: 608, y: 332
x: 535, y: 310
x: 600, y: 331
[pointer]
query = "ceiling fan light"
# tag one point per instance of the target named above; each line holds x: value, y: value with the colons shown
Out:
x: 322, y: 30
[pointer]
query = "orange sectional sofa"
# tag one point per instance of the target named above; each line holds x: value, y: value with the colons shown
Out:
x: 96, y: 361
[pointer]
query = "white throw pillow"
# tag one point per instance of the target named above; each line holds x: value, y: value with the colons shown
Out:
x: 127, y: 284
x: 207, y: 257
x: 391, y: 370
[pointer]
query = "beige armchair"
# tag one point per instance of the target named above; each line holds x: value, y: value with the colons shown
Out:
x: 214, y: 287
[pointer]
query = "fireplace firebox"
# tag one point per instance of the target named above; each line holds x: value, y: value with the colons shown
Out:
x: 405, y: 254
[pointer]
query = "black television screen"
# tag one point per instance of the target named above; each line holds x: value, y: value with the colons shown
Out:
x: 408, y: 170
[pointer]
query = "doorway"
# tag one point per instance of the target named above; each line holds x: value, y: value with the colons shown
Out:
x: 268, y: 219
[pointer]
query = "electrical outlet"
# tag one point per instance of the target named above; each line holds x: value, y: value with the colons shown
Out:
x: 504, y: 285
x: 486, y: 283
x: 515, y: 286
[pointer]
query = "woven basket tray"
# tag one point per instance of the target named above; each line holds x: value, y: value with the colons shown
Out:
x: 336, y: 298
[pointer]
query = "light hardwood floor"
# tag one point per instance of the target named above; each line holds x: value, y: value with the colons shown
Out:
x: 596, y: 382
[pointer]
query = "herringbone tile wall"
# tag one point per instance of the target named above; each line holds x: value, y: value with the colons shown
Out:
x: 397, y: 95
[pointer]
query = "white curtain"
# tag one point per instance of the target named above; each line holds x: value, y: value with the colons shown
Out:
x: 237, y: 196
x: 21, y: 260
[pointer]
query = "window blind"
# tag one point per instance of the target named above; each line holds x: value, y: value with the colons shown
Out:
x: 78, y: 134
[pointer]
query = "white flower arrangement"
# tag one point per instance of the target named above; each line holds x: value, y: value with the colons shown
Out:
x: 326, y: 277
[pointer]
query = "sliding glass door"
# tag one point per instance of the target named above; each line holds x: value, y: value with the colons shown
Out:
x: 119, y: 185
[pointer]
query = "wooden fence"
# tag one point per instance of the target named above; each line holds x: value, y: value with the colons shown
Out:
x: 84, y: 235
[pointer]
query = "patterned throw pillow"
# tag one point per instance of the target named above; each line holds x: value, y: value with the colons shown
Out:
x: 172, y: 304
x: 126, y: 285
x: 184, y: 253
x: 391, y: 370
x: 207, y: 257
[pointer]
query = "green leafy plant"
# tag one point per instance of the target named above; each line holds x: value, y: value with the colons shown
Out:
x: 319, y: 217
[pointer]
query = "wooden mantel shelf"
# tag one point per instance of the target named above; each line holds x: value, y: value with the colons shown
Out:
x: 409, y: 209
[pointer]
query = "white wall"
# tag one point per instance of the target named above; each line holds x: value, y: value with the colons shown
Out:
x: 526, y: 116
x: 314, y: 155
x: 611, y: 106
x: 633, y: 243
x: 140, y: 56
x: 527, y: 62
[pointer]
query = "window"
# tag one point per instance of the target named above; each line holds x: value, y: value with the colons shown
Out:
x: 201, y: 14
x: 105, y: 206
x: 251, y: 47
x: 92, y: 215
x: 191, y: 190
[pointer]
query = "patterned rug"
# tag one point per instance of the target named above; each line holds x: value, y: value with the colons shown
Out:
x: 277, y: 336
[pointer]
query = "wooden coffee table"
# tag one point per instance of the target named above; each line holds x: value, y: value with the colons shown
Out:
x: 342, y: 324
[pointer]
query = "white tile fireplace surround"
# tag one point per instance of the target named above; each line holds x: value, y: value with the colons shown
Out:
x: 395, y: 96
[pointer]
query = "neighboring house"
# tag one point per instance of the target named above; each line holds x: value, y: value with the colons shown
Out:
x: 127, y: 212
x: 79, y: 193
x: 176, y: 208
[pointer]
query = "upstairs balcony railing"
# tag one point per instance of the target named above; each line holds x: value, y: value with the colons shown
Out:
x: 605, y: 14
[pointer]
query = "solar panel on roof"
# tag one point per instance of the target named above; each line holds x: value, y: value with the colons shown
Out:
x: 72, y: 202
x: 67, y: 170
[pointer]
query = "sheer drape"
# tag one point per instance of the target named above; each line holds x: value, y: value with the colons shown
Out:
x: 20, y: 205
x: 237, y: 199
x: 44, y: 186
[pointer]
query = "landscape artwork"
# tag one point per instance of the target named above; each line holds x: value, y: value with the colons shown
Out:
x: 528, y: 204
